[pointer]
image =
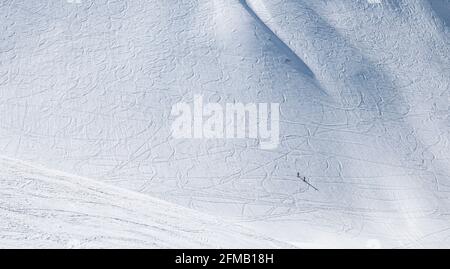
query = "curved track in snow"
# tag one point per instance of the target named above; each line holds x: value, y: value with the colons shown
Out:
x: 51, y: 209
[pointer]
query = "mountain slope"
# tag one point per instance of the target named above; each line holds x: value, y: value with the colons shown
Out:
x: 364, y: 101
x: 49, y: 209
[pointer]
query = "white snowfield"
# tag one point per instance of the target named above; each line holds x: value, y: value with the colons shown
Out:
x: 50, y: 209
x: 87, y: 88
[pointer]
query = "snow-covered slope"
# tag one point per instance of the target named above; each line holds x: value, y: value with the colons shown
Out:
x: 44, y: 208
x: 363, y: 89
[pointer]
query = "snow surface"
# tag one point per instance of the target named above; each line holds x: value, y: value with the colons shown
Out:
x: 50, y: 209
x: 87, y: 88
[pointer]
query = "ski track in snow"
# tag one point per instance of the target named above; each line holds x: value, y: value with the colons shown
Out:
x: 51, y: 209
x: 364, y: 91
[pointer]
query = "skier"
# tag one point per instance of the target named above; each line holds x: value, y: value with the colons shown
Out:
x: 304, y: 180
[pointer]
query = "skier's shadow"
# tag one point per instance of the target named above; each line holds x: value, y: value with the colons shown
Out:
x: 303, y: 178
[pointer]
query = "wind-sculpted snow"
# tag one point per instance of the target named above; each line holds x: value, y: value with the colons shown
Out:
x: 364, y: 103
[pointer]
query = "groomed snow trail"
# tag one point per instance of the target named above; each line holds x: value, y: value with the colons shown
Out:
x: 51, y: 209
